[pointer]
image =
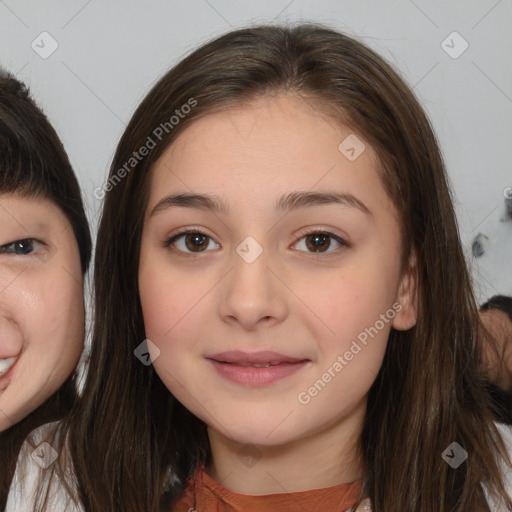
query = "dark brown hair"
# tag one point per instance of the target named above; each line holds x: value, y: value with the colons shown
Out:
x: 129, y: 433
x: 501, y: 303
x: 33, y: 163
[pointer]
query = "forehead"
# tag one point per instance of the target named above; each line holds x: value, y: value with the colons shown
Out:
x: 22, y: 210
x: 282, y: 128
x: 265, y: 148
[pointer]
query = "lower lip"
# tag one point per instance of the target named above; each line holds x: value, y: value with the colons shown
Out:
x: 6, y: 379
x: 252, y: 376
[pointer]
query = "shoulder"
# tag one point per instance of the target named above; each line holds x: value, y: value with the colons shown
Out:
x: 34, y: 469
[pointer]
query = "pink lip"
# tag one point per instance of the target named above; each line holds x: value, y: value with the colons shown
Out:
x: 233, y: 365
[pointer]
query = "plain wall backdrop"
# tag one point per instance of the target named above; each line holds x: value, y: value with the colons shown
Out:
x: 89, y: 63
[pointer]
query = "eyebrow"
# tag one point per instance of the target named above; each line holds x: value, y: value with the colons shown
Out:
x: 287, y: 202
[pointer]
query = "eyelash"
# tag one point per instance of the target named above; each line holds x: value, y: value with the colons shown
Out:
x: 4, y: 249
x: 168, y: 243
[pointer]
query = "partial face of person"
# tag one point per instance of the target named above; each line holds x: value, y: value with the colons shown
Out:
x: 41, y: 304
x: 498, y: 351
x: 269, y: 317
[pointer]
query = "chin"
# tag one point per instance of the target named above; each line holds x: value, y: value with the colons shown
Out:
x: 261, y: 433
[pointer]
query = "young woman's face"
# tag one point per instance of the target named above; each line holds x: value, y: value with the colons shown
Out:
x: 41, y: 304
x: 294, y: 286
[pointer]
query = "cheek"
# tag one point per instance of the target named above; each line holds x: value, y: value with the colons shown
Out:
x: 63, y: 303
x: 175, y: 307
x: 52, y: 324
x: 169, y: 324
x: 351, y: 301
x: 170, y: 299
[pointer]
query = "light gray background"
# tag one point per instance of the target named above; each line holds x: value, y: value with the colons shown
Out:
x: 110, y: 53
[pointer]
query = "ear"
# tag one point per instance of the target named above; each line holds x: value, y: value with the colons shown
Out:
x: 407, y: 297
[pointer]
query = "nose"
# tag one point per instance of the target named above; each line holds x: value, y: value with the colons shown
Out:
x: 252, y: 294
x: 11, y: 339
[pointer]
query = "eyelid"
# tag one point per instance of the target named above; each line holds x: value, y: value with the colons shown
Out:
x: 184, y: 231
x: 310, y: 230
x: 327, y: 254
x: 169, y: 241
x: 305, y: 232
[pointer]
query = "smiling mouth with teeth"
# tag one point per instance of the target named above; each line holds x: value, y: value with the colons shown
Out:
x: 5, y: 365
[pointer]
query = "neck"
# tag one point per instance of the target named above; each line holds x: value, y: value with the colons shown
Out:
x: 323, y: 459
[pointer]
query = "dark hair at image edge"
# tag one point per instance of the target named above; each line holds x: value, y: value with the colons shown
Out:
x: 33, y: 163
x: 501, y: 303
x: 128, y: 429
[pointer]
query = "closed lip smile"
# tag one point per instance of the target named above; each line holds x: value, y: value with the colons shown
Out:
x: 255, y: 369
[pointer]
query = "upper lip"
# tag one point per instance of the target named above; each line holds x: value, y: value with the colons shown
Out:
x: 266, y: 356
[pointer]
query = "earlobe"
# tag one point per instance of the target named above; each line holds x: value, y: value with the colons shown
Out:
x: 407, y: 297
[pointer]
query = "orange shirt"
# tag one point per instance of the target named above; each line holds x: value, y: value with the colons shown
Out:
x: 203, y: 494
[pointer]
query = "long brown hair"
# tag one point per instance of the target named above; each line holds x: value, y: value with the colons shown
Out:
x: 33, y: 163
x: 133, y: 445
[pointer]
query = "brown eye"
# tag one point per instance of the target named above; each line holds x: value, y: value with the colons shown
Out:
x: 188, y: 242
x: 196, y: 242
x: 318, y: 242
x: 321, y: 242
